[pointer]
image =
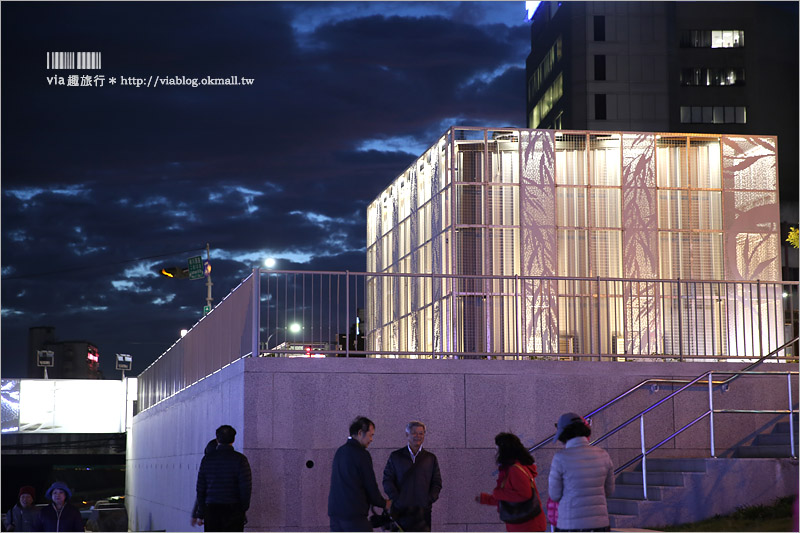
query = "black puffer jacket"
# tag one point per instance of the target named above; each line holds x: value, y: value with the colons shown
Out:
x: 224, y: 478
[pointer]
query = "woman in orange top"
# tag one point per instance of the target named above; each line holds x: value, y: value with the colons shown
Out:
x: 515, y: 482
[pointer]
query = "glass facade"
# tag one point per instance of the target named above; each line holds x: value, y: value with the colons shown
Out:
x: 532, y: 238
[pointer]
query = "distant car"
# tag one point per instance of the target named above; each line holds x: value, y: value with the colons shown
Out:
x: 108, y: 515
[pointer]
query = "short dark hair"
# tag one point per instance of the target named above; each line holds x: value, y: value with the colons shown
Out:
x: 362, y: 424
x: 510, y: 450
x: 576, y: 429
x: 226, y: 434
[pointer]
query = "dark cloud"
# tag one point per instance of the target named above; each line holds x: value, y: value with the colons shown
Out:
x: 103, y: 186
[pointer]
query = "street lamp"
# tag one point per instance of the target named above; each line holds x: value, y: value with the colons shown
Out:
x: 269, y: 262
x: 294, y: 327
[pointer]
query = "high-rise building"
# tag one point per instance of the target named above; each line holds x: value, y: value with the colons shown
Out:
x: 503, y: 216
x: 696, y: 67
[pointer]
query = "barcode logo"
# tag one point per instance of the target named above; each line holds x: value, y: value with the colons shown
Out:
x: 73, y: 60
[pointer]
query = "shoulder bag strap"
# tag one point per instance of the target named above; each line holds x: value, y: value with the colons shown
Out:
x: 528, y: 475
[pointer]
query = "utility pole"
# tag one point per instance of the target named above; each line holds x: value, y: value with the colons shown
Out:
x: 209, y: 300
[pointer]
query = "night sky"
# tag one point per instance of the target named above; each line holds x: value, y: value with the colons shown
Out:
x: 102, y: 186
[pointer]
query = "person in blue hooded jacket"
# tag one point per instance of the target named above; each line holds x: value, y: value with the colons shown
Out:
x: 59, y: 515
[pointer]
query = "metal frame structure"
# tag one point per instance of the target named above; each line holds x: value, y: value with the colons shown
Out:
x: 573, y: 214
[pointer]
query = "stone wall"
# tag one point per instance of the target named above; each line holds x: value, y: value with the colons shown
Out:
x: 292, y: 414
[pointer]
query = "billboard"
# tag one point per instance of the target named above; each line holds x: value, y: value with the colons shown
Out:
x: 64, y: 406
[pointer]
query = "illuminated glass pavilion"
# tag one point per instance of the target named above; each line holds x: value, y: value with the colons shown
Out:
x: 551, y: 241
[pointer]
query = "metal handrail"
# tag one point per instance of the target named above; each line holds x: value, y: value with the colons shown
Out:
x: 751, y: 366
x: 710, y: 412
x: 652, y: 381
x: 645, y: 411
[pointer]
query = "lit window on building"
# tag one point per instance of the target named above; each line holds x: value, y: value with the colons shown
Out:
x: 547, y: 101
x: 712, y: 38
x: 713, y: 115
x: 544, y: 69
x: 712, y: 76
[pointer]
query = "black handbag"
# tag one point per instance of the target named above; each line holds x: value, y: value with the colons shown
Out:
x: 519, y: 512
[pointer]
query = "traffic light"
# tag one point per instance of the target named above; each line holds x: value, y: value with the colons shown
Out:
x: 175, y: 272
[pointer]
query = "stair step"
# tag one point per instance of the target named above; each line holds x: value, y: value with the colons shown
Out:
x: 673, y: 465
x: 783, y: 427
x: 620, y: 506
x: 754, y: 451
x: 636, y: 492
x: 664, y: 479
x: 623, y: 521
x: 773, y: 439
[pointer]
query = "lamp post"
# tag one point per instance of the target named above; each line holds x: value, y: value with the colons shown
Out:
x: 294, y: 327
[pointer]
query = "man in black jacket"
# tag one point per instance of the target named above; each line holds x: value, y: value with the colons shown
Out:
x: 353, y: 485
x: 224, y: 484
x: 413, y: 481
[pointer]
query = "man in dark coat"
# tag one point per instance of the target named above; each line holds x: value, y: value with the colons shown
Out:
x: 413, y: 481
x: 353, y: 485
x: 224, y: 484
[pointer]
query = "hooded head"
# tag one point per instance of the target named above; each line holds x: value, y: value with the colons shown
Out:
x: 571, y: 425
x: 58, y: 485
x: 210, y: 447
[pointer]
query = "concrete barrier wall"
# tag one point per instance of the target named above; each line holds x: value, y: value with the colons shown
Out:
x: 292, y: 414
x: 165, y: 446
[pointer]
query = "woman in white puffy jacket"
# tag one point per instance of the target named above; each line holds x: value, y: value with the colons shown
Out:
x: 581, y: 478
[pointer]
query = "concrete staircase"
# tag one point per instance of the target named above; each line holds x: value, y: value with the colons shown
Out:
x: 689, y: 490
x: 774, y: 444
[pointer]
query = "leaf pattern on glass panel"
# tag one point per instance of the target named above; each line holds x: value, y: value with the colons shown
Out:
x: 639, y: 206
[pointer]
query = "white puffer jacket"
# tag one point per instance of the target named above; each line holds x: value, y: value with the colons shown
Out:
x: 581, y: 478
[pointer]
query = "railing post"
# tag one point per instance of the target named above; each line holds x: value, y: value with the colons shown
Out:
x: 760, y: 329
x: 711, y: 411
x: 680, y: 323
x: 644, y: 458
x: 256, y: 318
x: 517, y: 319
x: 597, y: 322
x: 347, y: 313
x: 791, y: 418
